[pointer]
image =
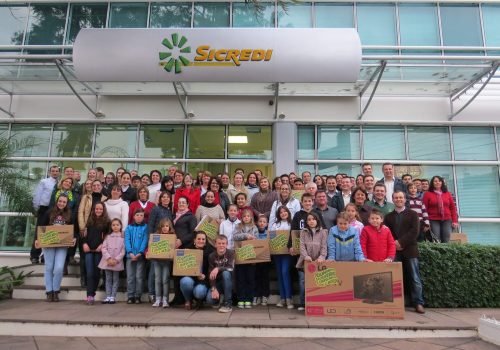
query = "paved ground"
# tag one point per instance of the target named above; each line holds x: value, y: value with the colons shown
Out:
x: 54, y: 343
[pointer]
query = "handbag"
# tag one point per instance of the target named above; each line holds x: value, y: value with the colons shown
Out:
x: 431, y: 237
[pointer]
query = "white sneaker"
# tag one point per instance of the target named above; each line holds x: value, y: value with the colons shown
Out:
x: 256, y: 301
x: 264, y: 301
x: 301, y: 308
x: 280, y: 303
x: 164, y: 302
x: 289, y: 304
x: 157, y: 303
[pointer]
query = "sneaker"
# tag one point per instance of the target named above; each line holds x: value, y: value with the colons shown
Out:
x: 256, y: 301
x: 164, y: 302
x: 90, y: 300
x: 248, y: 305
x: 217, y: 305
x: 289, y: 304
x: 280, y: 303
x: 131, y: 300
x: 112, y: 300
x: 264, y: 301
x: 241, y: 304
x: 138, y: 300
x: 157, y: 303
x: 301, y: 308
x: 105, y: 301
x: 225, y: 309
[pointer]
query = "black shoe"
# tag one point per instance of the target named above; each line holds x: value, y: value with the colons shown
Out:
x: 131, y: 301
x: 55, y: 296
x: 50, y: 297
x: 138, y: 301
x: 35, y: 261
x: 83, y: 283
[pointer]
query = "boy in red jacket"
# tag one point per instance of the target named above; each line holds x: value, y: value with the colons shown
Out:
x: 376, y: 239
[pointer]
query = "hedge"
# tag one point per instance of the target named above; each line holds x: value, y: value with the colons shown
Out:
x: 460, y: 275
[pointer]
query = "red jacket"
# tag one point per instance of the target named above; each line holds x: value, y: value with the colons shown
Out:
x: 430, y: 200
x: 377, y: 245
x: 193, y: 195
x: 136, y: 205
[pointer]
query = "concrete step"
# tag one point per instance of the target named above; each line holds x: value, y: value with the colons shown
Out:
x: 40, y: 268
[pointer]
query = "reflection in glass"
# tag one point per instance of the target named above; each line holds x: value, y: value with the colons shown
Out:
x: 474, y: 143
x: 377, y: 24
x: 16, y: 232
x: 72, y: 140
x: 13, y: 23
x: 46, y: 24
x: 252, y: 141
x: 384, y: 142
x: 112, y: 166
x: 429, y: 143
x: 267, y: 169
x: 418, y: 24
x: 161, y: 141
x: 491, y: 22
x: 482, y: 233
x: 128, y: 15
x: 305, y: 167
x: 306, y: 142
x: 195, y: 168
x: 331, y: 15
x: 4, y: 131
x: 338, y: 142
x: 206, y: 141
x: 116, y: 141
x: 249, y: 15
x: 145, y: 168
x: 418, y: 171
x: 170, y: 15
x: 461, y: 25
x: 211, y: 14
x: 332, y: 169
x: 30, y: 140
x: 478, y: 189
x: 85, y: 16
x: 295, y: 15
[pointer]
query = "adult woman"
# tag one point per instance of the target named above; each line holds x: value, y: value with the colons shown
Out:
x: 129, y: 194
x: 215, y: 185
x: 210, y: 208
x: 226, y: 184
x: 119, y: 172
x: 205, y: 181
x: 161, y: 211
x: 285, y: 198
x: 109, y: 182
x: 184, y: 222
x: 167, y: 185
x: 141, y: 202
x: 262, y: 201
x: 359, y: 197
x: 145, y: 180
x: 238, y: 187
x: 55, y: 258
x: 359, y: 180
x: 196, y: 288
x: 191, y: 193
x: 251, y: 185
x: 154, y: 188
x: 116, y: 207
x: 318, y: 180
x: 441, y: 209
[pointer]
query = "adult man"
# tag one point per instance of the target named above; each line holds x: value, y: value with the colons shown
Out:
x: 171, y: 171
x: 285, y: 179
x: 69, y: 172
x: 367, y: 169
x: 311, y: 188
x: 100, y: 174
x: 178, y: 177
x: 331, y: 188
x: 41, y: 200
x: 403, y: 223
x: 77, y: 187
x: 220, y: 269
x: 258, y: 172
x: 425, y: 185
x: 328, y: 213
x: 240, y: 171
x: 407, y: 179
x: 379, y: 200
x: 368, y: 183
x: 391, y: 182
x: 344, y: 196
x: 418, y: 185
x: 306, y: 177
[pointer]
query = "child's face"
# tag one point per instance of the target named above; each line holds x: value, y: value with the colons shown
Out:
x: 241, y: 201
x: 262, y: 223
x: 136, y: 183
x: 375, y: 220
x: 283, y: 215
x: 342, y: 224
x: 311, y: 221
x: 351, y: 212
x: 307, y: 204
x: 165, y: 229
x: 298, y: 185
x: 246, y: 218
x: 98, y: 210
x: 139, y: 217
x: 232, y: 212
x: 412, y: 190
x: 116, y: 227
x: 200, y: 241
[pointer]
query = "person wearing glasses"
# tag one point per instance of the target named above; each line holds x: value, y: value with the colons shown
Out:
x: 285, y: 198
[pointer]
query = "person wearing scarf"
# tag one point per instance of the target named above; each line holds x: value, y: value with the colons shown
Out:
x: 221, y: 198
x: 262, y: 201
x: 210, y: 208
x: 143, y: 203
x: 251, y: 185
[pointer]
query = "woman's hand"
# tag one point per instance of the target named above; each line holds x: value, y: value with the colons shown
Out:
x: 37, y: 244
x: 178, y: 243
x: 455, y: 225
x: 86, y: 248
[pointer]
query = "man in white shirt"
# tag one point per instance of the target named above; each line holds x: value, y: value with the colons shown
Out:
x: 391, y: 182
x: 344, y: 197
x: 369, y: 183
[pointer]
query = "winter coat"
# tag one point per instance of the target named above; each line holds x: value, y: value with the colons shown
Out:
x: 344, y: 245
x: 118, y: 209
x: 113, y: 247
x: 157, y: 214
x: 377, y: 245
x: 312, y: 245
x: 136, y: 238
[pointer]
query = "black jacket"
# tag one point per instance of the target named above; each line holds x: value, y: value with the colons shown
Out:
x: 184, y: 229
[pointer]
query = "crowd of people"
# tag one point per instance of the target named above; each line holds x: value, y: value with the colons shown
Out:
x: 340, y: 217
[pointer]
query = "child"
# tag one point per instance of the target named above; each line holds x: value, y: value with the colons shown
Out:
x: 113, y: 251
x: 343, y: 241
x: 415, y: 203
x: 313, y: 247
x: 97, y: 227
x: 136, y: 241
x: 228, y: 226
x: 261, y: 269
x: 376, y: 239
x: 353, y: 217
x: 241, y: 203
x: 283, y: 261
x: 245, y: 274
x: 162, y: 268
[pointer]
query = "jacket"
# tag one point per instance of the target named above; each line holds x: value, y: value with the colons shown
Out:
x: 398, y: 184
x: 377, y: 245
x: 157, y: 214
x: 223, y: 262
x: 431, y: 203
x: 113, y: 247
x: 313, y: 245
x: 293, y: 205
x: 85, y: 208
x: 137, y: 205
x: 241, y: 232
x: 193, y: 195
x: 406, y: 232
x: 136, y: 238
x: 118, y: 209
x: 338, y: 201
x: 215, y: 212
x: 344, y: 245
x: 184, y: 229
x: 262, y: 203
x: 130, y: 195
x: 227, y: 228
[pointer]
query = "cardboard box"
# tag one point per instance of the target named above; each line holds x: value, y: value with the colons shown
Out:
x: 55, y: 236
x: 296, y: 241
x: 188, y: 262
x: 297, y: 194
x: 210, y: 227
x: 460, y: 238
x: 278, y: 242
x: 161, y: 246
x: 354, y: 289
x: 252, y: 251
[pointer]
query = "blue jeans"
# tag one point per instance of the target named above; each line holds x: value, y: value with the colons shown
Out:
x: 161, y: 270
x: 151, y: 277
x: 442, y: 229
x: 224, y: 285
x: 92, y: 260
x: 412, y: 275
x: 54, y: 267
x: 191, y: 289
x: 135, y: 277
x: 283, y: 263
x: 112, y: 281
x: 302, y: 287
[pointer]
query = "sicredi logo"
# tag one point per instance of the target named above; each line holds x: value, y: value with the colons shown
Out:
x: 206, y: 56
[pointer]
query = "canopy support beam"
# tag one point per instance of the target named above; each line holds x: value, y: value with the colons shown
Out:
x: 276, y: 96
x: 183, y: 105
x: 378, y: 73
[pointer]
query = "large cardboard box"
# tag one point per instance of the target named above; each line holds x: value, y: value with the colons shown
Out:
x: 55, y: 236
x: 278, y: 242
x: 210, y: 227
x: 161, y: 246
x: 354, y: 289
x: 252, y: 251
x: 188, y: 262
x: 295, y: 241
x: 459, y: 238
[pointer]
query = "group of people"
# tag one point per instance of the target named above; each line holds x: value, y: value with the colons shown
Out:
x: 340, y: 218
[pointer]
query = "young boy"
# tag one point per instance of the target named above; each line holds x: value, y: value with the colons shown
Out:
x: 261, y: 269
x: 376, y: 239
x: 220, y: 271
x: 136, y: 241
x: 228, y: 226
x: 299, y: 219
x: 343, y: 241
x: 415, y: 203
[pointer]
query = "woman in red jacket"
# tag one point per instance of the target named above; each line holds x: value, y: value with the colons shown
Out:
x: 441, y: 209
x: 188, y: 191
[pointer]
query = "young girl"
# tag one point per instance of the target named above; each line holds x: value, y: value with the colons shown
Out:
x: 343, y: 241
x: 313, y: 247
x: 162, y: 268
x: 241, y: 202
x: 97, y: 227
x: 136, y: 241
x: 228, y: 226
x: 245, y: 274
x: 283, y: 261
x: 376, y: 239
x: 261, y: 269
x: 353, y: 217
x: 113, y: 251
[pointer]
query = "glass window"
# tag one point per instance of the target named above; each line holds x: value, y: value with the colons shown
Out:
x: 214, y: 168
x: 73, y: 140
x: 305, y: 167
x: 206, y: 141
x: 251, y: 141
x: 338, y: 142
x: 478, y: 188
x: 211, y: 14
x: 377, y: 24
x: 267, y: 169
x: 491, y: 22
x: 128, y: 15
x: 115, y: 141
x: 332, y: 169
x: 252, y: 15
x: 334, y: 15
x: 418, y: 171
x: 294, y: 15
x: 46, y: 24
x: 145, y: 168
x: 460, y: 25
x: 30, y: 140
x: 418, y: 24
x: 80, y: 166
x: 306, y: 142
x: 384, y: 142
x: 4, y: 131
x: 13, y: 23
x: 161, y: 141
x: 482, y: 233
x: 85, y: 16
x: 429, y: 143
x: 16, y: 232
x: 474, y: 143
x: 112, y: 166
x: 170, y: 15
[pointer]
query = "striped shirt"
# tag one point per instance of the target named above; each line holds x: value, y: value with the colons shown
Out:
x: 418, y: 206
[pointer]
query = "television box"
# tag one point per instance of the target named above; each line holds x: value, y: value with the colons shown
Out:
x: 252, y: 251
x: 161, y: 246
x: 295, y: 241
x: 210, y: 227
x: 55, y: 236
x: 188, y: 262
x: 278, y: 242
x: 459, y: 238
x: 354, y: 289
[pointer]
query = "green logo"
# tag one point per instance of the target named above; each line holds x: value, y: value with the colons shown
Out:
x: 174, y: 56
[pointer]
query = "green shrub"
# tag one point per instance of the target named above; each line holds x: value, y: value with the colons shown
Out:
x: 9, y: 279
x: 460, y: 275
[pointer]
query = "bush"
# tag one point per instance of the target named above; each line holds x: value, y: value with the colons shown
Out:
x: 460, y: 275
